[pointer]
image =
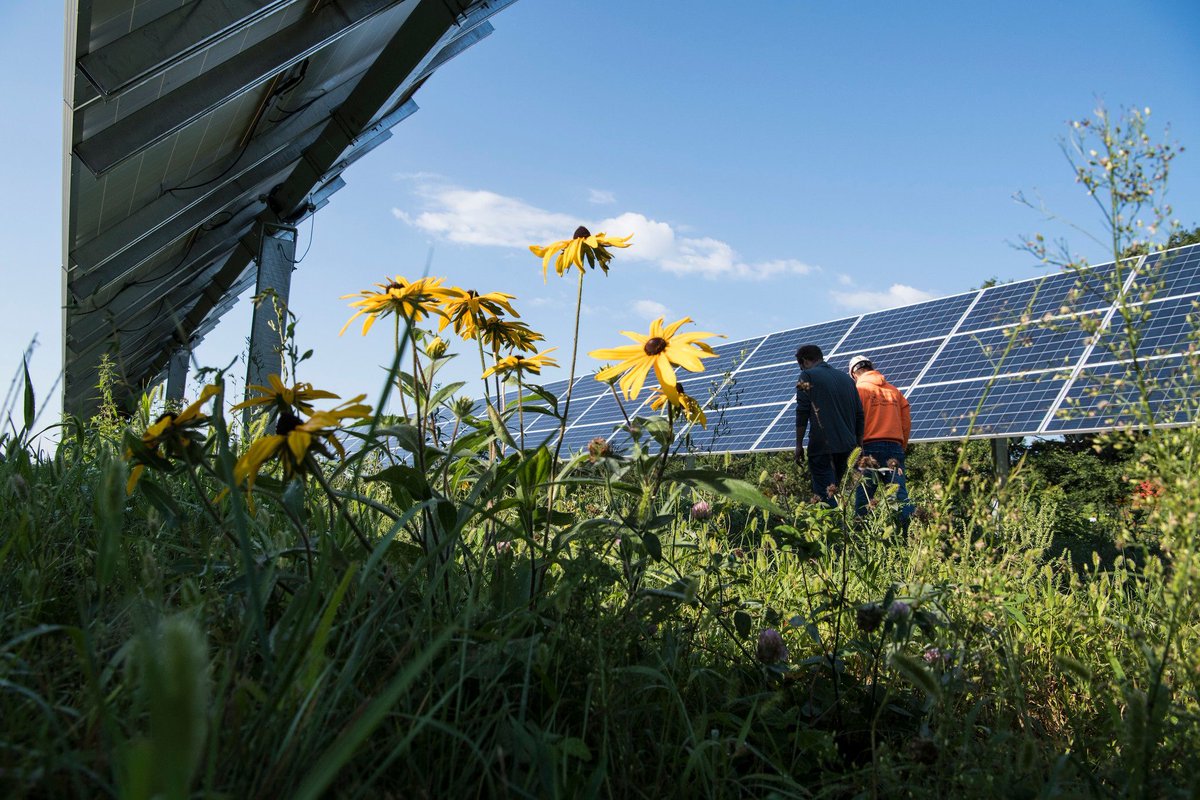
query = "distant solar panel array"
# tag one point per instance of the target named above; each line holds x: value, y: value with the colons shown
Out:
x: 1043, y: 356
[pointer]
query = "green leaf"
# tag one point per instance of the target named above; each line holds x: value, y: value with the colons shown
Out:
x: 736, y: 490
x: 533, y: 472
x: 406, y: 436
x: 742, y: 622
x: 407, y: 484
x: 502, y: 432
x: 293, y: 498
x: 29, y: 402
x: 576, y: 748
x: 915, y: 671
x: 653, y: 546
x: 444, y: 392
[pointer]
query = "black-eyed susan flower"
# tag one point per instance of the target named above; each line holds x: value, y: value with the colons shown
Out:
x: 504, y: 334
x: 687, y: 405
x: 520, y: 365
x: 467, y: 308
x: 282, y: 398
x: 171, y: 435
x: 412, y: 300
x: 662, y: 350
x: 295, y: 439
x: 584, y: 245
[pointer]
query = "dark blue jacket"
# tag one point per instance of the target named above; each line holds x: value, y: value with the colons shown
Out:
x: 827, y: 399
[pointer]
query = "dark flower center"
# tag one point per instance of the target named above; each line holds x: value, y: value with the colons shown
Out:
x: 394, y: 285
x: 655, y: 346
x: 288, y: 422
x: 582, y: 233
x: 472, y: 293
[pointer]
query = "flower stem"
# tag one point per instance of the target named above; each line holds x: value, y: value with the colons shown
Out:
x: 400, y: 383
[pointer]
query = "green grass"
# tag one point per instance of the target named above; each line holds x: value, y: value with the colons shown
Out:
x: 133, y: 660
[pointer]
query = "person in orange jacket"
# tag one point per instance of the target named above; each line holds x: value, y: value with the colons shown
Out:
x: 885, y: 437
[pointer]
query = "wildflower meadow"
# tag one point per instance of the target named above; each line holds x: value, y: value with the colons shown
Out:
x: 396, y: 591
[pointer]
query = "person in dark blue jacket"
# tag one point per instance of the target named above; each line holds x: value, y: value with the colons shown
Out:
x: 828, y: 407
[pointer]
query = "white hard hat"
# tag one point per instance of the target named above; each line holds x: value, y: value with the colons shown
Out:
x: 854, y: 362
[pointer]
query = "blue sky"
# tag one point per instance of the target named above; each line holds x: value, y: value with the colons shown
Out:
x: 783, y: 165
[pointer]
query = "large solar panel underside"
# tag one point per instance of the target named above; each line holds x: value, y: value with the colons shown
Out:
x: 1043, y: 356
x: 190, y: 124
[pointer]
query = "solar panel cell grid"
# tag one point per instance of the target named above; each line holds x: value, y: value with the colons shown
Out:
x: 605, y: 409
x: 730, y: 357
x: 907, y: 324
x: 732, y: 430
x: 1178, y: 271
x: 1007, y: 350
x: 900, y: 364
x: 1169, y: 326
x: 1031, y: 300
x: 782, y: 434
x: 780, y: 348
x: 756, y: 386
x: 1004, y: 406
x: 1108, y: 396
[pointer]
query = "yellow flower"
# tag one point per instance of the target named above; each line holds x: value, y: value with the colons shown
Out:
x: 466, y: 309
x: 436, y: 347
x: 412, y: 300
x: 520, y: 364
x: 175, y: 432
x: 682, y: 400
x: 502, y: 334
x: 293, y: 440
x: 574, y: 250
x: 661, y: 351
x: 283, y: 398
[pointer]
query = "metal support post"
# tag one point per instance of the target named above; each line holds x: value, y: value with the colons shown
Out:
x: 276, y: 260
x: 1000, y: 459
x: 177, y: 370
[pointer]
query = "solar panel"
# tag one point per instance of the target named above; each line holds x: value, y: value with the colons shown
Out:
x: 1004, y: 406
x: 906, y: 324
x: 1010, y: 349
x: 1108, y: 396
x: 1161, y: 327
x: 192, y: 126
x: 1008, y: 360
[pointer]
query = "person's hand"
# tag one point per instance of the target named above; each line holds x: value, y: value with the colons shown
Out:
x: 799, y: 458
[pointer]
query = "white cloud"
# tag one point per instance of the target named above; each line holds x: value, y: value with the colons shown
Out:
x: 601, y: 197
x: 650, y: 309
x: 896, y: 295
x: 483, y: 218
x: 480, y: 217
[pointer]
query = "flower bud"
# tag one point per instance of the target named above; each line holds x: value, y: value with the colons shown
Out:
x: 599, y: 448
x: 771, y: 649
x: 869, y: 617
x: 701, y: 510
x: 436, y: 347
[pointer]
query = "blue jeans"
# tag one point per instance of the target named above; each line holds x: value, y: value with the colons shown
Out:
x: 890, y: 457
x: 827, y: 469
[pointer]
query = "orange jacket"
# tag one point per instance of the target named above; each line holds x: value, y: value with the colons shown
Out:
x: 885, y: 408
